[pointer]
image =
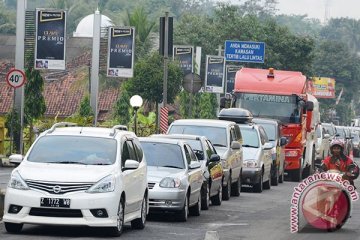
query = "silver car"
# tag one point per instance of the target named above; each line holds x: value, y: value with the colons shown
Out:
x: 175, y: 176
x: 257, y: 158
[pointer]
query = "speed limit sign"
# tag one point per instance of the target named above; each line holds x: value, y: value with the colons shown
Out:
x: 15, y: 78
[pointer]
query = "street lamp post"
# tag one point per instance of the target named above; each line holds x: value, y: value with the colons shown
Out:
x: 135, y: 101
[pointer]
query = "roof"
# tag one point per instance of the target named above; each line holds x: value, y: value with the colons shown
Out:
x: 162, y: 140
x: 203, y: 122
x: 253, y: 80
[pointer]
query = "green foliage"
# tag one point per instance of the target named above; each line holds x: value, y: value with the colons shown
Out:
x: 12, y: 123
x: 208, y: 106
x: 85, y: 109
x: 148, y: 79
x: 7, y: 19
x: 146, y: 124
x: 121, y: 108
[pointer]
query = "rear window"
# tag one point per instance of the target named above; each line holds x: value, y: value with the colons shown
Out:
x: 216, y: 135
x: 74, y: 150
x: 163, y: 155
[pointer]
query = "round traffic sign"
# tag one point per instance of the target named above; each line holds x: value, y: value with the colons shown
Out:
x: 15, y: 78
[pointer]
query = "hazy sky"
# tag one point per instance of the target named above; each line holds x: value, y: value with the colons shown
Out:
x: 316, y: 8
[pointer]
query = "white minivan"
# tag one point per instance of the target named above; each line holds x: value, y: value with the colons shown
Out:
x: 84, y: 176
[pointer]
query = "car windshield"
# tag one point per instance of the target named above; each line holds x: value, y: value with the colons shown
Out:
x: 216, y: 135
x: 163, y: 154
x: 74, y: 150
x: 355, y: 136
x: 270, y: 130
x: 329, y: 129
x: 250, y: 137
x: 340, y: 132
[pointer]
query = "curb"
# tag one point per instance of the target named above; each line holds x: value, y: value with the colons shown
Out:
x: 2, y: 199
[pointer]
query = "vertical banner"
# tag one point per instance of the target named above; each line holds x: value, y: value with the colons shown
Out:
x: 50, y: 41
x: 185, y: 55
x: 214, y: 77
x: 230, y: 77
x: 164, y: 118
x: 120, y: 62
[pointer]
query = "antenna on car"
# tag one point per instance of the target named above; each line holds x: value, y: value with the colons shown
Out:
x: 61, y: 124
x: 118, y: 127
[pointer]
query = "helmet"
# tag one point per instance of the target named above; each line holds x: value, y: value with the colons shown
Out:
x: 337, y: 142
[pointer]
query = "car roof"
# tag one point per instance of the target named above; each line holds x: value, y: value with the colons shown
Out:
x: 203, y: 122
x: 162, y: 140
x: 179, y: 136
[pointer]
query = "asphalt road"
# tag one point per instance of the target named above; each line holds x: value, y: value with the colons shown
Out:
x: 250, y: 216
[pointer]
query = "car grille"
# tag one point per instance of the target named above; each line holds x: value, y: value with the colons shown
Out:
x: 57, y: 187
x: 49, y: 212
x: 151, y: 185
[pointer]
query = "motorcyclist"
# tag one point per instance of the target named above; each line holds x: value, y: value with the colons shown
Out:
x: 340, y: 162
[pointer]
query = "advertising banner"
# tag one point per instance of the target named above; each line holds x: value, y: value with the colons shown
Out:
x: 121, y: 52
x: 230, y: 77
x: 185, y: 55
x: 50, y: 43
x: 214, y: 77
x: 239, y: 51
x: 322, y: 87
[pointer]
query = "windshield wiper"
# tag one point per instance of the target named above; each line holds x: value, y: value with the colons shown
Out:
x: 218, y: 145
x: 69, y: 162
x: 168, y: 166
x: 250, y: 146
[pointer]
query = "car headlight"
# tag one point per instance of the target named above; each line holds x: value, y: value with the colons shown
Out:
x: 251, y: 164
x: 17, y: 182
x: 107, y: 184
x: 169, y: 182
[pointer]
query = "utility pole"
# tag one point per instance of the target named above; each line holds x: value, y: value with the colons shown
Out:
x: 166, y: 56
x: 218, y: 94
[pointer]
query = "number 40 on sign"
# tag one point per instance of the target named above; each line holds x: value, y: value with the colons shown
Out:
x: 15, y: 78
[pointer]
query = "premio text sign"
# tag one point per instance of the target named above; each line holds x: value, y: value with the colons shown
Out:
x: 239, y: 51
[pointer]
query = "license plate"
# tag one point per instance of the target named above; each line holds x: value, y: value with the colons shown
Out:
x: 55, y: 202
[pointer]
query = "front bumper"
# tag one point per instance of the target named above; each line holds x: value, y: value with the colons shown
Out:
x: 80, y: 202
x: 250, y: 176
x: 166, y: 199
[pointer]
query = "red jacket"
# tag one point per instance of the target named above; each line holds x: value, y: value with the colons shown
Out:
x: 340, y: 165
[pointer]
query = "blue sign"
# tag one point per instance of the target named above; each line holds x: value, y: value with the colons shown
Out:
x: 237, y: 51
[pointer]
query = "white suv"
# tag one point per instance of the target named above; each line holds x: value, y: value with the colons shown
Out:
x: 88, y: 176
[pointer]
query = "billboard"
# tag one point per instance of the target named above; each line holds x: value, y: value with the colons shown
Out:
x: 322, y: 87
x: 120, y: 61
x: 214, y: 77
x: 239, y: 51
x: 50, y: 43
x: 185, y: 55
x: 230, y: 77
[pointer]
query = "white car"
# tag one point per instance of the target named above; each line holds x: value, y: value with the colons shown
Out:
x: 84, y: 176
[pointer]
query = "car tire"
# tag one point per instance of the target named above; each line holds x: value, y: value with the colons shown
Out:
x: 196, y: 209
x: 236, y: 187
x: 217, y: 199
x: 139, y: 223
x: 205, y: 197
x: 227, y: 190
x: 275, y: 179
x: 13, y: 227
x: 117, y: 231
x: 258, y: 187
x: 184, y: 213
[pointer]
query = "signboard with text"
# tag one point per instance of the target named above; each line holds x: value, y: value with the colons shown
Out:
x: 238, y: 51
x: 120, y: 62
x: 322, y: 87
x: 50, y: 43
x: 230, y: 77
x: 214, y: 77
x: 185, y: 56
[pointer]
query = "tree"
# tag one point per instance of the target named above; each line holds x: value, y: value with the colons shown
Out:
x: 121, y: 108
x: 208, y: 106
x: 85, y: 109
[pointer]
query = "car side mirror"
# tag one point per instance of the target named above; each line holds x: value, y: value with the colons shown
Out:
x: 130, y: 165
x: 235, y: 145
x: 214, y: 158
x: 283, y: 141
x: 194, y: 165
x: 268, y: 146
x: 16, y: 159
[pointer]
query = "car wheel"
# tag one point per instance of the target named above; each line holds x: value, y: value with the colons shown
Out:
x: 258, y: 187
x: 227, y: 190
x: 184, y: 213
x: 275, y: 178
x: 13, y: 227
x: 236, y: 187
x: 267, y: 184
x: 205, y: 197
x: 139, y: 223
x: 116, y: 231
x: 196, y: 210
x: 217, y: 199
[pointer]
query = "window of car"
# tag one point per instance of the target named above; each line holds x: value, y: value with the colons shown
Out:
x: 187, y: 154
x: 270, y: 130
x: 210, y: 150
x: 79, y: 150
x: 250, y: 137
x: 138, y: 150
x: 163, y: 154
x: 196, y: 147
x: 263, y: 136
